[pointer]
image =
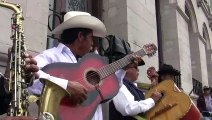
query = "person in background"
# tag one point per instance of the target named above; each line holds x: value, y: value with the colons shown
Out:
x: 204, y: 103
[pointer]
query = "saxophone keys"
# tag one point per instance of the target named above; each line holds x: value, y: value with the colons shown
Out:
x: 32, y: 98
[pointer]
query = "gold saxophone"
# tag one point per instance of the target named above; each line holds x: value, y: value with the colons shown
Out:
x: 50, y: 100
x: 18, y: 77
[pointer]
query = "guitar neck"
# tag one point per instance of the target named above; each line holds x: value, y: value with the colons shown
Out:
x: 113, y: 67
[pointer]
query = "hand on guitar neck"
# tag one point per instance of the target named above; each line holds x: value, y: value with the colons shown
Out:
x: 136, y: 61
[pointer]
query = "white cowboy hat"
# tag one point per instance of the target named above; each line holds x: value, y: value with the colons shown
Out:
x: 78, y: 19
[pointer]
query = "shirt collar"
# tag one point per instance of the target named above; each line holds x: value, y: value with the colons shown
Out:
x: 61, y: 47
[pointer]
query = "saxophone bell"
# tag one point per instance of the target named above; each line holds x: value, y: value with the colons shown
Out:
x: 52, y: 95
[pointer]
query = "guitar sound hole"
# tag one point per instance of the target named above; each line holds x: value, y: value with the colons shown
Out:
x: 93, y: 77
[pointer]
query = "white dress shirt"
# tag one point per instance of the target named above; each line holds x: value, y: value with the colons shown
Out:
x: 208, y: 102
x: 125, y: 103
x: 61, y: 53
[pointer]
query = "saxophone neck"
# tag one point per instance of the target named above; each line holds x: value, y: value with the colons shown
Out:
x: 14, y: 7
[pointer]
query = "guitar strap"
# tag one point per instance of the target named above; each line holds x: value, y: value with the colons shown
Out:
x: 126, y: 46
x: 99, y: 91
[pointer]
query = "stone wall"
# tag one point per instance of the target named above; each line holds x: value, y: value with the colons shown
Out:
x: 115, y: 17
x: 142, y: 29
x: 134, y: 21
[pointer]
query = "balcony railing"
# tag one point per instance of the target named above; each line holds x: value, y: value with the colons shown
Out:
x: 177, y: 81
x: 197, y: 86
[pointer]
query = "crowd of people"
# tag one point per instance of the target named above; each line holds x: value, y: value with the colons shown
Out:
x: 77, y: 33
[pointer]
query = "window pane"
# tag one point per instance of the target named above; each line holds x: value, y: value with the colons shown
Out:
x: 76, y: 5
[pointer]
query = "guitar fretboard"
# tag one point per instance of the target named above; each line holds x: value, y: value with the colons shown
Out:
x: 113, y: 67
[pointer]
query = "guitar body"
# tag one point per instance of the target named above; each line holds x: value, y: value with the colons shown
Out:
x: 84, y: 72
x: 192, y: 114
x: 174, y: 104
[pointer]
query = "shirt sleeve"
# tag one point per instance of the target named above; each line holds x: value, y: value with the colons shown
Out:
x: 124, y: 103
x: 120, y: 76
x: 43, y: 60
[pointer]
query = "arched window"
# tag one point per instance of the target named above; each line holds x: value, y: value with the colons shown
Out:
x: 190, y: 12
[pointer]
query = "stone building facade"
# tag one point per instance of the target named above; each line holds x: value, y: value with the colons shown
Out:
x: 188, y: 38
x: 181, y: 29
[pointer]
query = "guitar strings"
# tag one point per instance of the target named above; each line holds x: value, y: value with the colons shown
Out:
x: 100, y: 72
x: 92, y: 75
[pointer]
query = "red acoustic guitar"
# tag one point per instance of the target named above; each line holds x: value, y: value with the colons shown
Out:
x: 174, y: 105
x: 96, y: 75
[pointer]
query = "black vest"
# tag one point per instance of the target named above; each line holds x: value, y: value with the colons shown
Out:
x: 4, y: 98
x: 138, y: 95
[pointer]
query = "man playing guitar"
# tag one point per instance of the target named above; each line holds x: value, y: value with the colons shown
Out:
x: 130, y: 99
x: 174, y: 104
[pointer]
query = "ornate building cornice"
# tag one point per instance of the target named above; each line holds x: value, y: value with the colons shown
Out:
x: 206, y: 9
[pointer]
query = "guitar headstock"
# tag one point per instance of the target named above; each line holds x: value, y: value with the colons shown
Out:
x: 150, y: 49
x: 151, y: 72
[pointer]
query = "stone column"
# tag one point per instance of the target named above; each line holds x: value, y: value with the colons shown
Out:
x: 175, y: 41
x: 209, y: 66
x: 195, y: 57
